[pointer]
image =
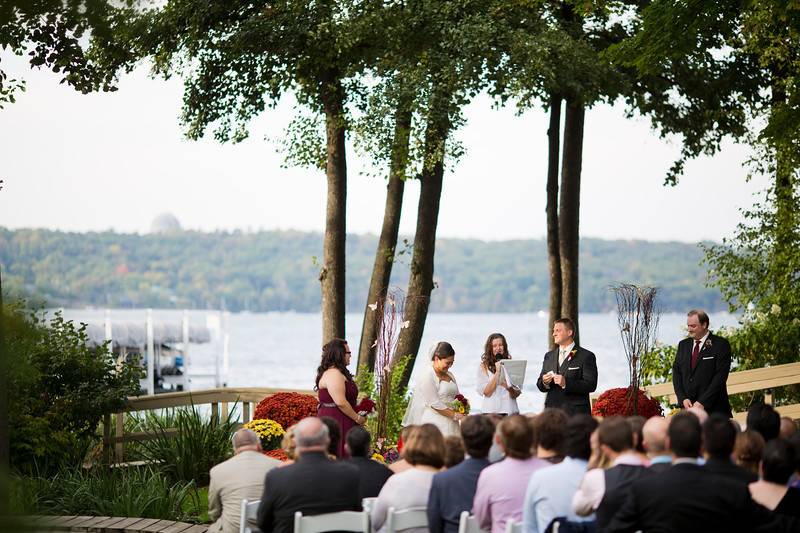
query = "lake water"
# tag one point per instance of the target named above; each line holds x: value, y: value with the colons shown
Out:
x: 283, y: 349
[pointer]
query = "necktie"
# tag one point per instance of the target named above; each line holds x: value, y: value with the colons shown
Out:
x: 561, y: 355
x: 695, y: 354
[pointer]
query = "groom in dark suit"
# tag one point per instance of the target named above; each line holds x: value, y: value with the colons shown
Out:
x: 701, y: 367
x: 569, y: 372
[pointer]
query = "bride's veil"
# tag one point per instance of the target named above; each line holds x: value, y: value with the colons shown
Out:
x: 416, y: 405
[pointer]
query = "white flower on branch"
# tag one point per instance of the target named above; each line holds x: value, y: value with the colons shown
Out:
x: 405, y: 324
x: 373, y: 306
x: 374, y: 344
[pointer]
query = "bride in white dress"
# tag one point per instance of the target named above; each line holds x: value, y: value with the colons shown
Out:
x: 434, y: 392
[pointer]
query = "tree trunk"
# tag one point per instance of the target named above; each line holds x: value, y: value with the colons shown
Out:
x: 420, y: 283
x: 387, y: 243
x: 332, y: 274
x: 569, y: 209
x: 553, y: 255
x: 5, y: 448
x: 784, y: 188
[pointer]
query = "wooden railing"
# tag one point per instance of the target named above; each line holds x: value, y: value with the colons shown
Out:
x: 757, y: 379
x: 219, y: 399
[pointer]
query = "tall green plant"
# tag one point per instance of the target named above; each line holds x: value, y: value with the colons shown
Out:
x: 398, y: 397
x: 199, y: 444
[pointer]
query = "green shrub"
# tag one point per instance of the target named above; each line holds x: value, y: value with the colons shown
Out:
x: 398, y: 399
x: 142, y: 492
x: 199, y: 444
x: 59, y: 390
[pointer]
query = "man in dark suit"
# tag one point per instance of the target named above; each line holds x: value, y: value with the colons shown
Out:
x: 719, y: 436
x: 701, y: 367
x: 688, y: 498
x: 312, y: 485
x: 453, y: 490
x: 569, y: 372
x: 372, y: 474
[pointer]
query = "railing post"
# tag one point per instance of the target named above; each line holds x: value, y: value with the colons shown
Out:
x: 224, y: 410
x: 107, y: 438
x: 119, y: 444
x: 214, y: 413
x: 768, y: 396
x: 245, y: 412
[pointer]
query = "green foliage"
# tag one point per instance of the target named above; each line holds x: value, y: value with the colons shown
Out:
x: 398, y: 398
x: 59, y: 389
x: 272, y: 271
x: 199, y: 444
x: 657, y: 365
x: 138, y: 492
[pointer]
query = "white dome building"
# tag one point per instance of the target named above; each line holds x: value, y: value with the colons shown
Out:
x: 165, y: 223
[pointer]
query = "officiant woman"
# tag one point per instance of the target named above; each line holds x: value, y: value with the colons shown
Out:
x: 498, y: 397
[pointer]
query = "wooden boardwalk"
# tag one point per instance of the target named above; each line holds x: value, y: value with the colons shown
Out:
x: 107, y: 524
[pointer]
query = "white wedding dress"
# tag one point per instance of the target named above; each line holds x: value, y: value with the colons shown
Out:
x: 431, y: 393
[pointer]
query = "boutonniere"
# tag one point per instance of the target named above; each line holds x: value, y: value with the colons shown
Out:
x: 707, y: 344
x: 571, y: 354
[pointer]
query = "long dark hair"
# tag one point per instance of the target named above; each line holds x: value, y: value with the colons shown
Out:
x: 488, y: 358
x: 333, y: 356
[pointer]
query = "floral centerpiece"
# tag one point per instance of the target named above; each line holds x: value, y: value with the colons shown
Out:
x: 269, y: 431
x: 460, y: 405
x: 618, y: 402
x: 287, y: 408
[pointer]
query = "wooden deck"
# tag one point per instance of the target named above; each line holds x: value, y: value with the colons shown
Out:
x: 108, y: 524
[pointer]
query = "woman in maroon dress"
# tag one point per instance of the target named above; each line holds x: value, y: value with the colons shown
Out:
x: 337, y: 390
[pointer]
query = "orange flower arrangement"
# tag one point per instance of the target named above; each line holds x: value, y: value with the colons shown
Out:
x: 287, y: 408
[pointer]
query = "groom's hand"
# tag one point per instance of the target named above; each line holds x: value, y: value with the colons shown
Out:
x: 559, y: 380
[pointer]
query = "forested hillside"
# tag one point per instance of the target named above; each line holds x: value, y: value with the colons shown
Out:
x: 278, y: 270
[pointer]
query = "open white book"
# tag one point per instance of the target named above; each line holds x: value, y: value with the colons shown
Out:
x: 513, y: 371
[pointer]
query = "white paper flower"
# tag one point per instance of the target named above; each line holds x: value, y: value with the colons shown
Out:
x: 373, y: 306
x: 374, y: 344
x: 405, y: 324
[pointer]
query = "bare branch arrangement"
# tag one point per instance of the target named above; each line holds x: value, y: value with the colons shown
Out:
x: 637, y: 315
x: 390, y: 314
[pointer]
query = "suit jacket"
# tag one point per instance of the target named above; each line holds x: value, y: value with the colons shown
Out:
x: 726, y: 468
x: 580, y: 372
x: 452, y: 492
x: 372, y: 475
x: 707, y: 382
x: 312, y: 485
x: 688, y: 498
x: 240, y: 477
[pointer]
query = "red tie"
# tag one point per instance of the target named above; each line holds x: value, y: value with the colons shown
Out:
x: 695, y: 354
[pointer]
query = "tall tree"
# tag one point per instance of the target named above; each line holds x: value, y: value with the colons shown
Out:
x: 237, y: 58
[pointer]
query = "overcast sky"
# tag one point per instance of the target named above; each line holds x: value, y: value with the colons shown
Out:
x: 114, y: 161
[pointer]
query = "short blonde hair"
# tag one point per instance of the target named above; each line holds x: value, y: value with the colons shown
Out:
x: 288, y: 445
x: 424, y: 446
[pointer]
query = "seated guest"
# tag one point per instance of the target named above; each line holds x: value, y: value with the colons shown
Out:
x: 423, y: 449
x: 288, y: 447
x: 685, y: 497
x: 654, y: 441
x: 240, y: 477
x: 719, y: 437
x: 335, y: 434
x: 453, y: 451
x: 452, y: 491
x: 550, y: 490
x: 604, y: 491
x: 312, y: 485
x: 788, y: 427
x: 748, y: 449
x: 777, y: 465
x: 402, y: 464
x: 502, y: 485
x: 763, y: 418
x: 637, y: 426
x: 372, y: 474
x: 549, y: 434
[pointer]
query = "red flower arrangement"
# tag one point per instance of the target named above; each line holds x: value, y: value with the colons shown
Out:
x: 287, y: 408
x: 365, y: 407
x: 278, y: 454
x: 618, y: 402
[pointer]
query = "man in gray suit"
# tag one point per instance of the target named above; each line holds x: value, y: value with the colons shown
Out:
x: 240, y: 477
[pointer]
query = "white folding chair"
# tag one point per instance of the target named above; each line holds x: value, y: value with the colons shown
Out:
x: 467, y: 523
x: 341, y: 521
x: 367, y: 504
x: 513, y: 527
x: 248, y: 516
x: 406, y: 519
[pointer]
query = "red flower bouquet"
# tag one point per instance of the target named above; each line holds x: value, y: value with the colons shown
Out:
x: 365, y: 407
x: 619, y: 402
x: 287, y: 408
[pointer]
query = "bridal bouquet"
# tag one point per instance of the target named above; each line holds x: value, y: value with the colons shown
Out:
x: 460, y: 405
